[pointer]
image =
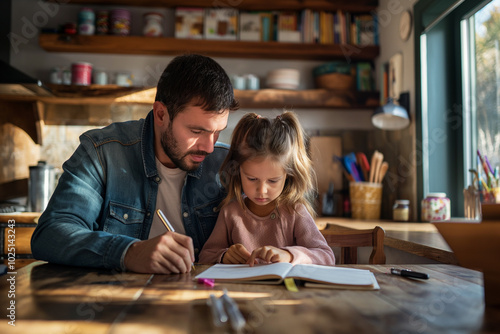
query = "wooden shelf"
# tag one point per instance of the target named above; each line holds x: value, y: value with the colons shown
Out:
x: 172, y: 46
x: 255, y: 99
x: 78, y: 91
x: 348, y: 5
x: 281, y: 98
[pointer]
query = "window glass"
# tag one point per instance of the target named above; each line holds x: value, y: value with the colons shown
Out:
x: 486, y: 84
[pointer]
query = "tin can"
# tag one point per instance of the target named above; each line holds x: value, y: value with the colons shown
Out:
x: 86, y: 22
x: 120, y: 22
x: 56, y: 76
x: 102, y: 22
x: 100, y: 77
x: 81, y: 74
x: 436, y: 207
x: 66, y: 76
x: 153, y: 24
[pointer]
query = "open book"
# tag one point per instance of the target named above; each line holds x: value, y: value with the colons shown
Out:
x: 313, y: 275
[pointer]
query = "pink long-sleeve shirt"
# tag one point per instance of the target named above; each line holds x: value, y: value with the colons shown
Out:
x: 294, y: 231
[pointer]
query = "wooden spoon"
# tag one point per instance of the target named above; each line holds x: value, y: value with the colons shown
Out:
x: 373, y: 166
x: 383, y: 169
x: 376, y: 162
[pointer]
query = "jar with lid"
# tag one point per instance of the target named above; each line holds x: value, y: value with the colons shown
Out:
x: 153, y: 24
x: 86, y: 22
x: 401, y: 210
x: 436, y: 207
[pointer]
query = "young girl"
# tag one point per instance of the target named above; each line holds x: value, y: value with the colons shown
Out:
x: 267, y: 215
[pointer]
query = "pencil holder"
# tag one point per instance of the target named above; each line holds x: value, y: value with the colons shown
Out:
x: 366, y: 199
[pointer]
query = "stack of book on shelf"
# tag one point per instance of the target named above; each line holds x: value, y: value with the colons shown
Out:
x: 306, y: 26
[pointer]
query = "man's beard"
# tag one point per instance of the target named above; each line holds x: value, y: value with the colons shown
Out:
x: 171, y: 149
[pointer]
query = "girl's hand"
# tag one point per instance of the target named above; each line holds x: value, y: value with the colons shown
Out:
x: 236, y: 254
x: 269, y: 254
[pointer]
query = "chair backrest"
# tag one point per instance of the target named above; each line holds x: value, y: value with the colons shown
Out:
x: 349, y: 240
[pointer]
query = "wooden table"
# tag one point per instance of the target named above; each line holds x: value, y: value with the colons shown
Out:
x: 58, y: 299
x: 422, y: 239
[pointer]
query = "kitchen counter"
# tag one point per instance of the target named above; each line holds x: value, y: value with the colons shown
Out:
x: 421, y: 239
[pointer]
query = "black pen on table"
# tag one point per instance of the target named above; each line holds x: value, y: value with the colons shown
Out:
x: 409, y: 273
x: 167, y: 224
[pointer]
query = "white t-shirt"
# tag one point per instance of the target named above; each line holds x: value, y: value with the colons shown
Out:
x: 168, y: 199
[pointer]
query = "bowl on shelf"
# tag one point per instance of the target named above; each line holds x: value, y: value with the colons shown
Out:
x: 284, y: 78
x: 335, y: 81
x: 334, y: 76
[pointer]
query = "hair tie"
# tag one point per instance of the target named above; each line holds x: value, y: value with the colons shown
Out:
x: 258, y: 116
x: 278, y: 117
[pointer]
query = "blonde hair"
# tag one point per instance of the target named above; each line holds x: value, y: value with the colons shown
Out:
x: 282, y: 138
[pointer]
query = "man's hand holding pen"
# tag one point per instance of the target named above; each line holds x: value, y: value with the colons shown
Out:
x: 169, y: 253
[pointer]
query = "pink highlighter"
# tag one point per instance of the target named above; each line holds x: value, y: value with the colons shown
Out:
x: 207, y: 282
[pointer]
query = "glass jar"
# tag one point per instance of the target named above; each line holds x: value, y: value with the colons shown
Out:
x: 86, y: 22
x: 401, y: 210
x: 153, y: 25
x: 436, y: 207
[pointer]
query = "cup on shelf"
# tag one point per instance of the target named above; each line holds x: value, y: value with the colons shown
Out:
x: 123, y: 79
x: 100, y: 77
x: 252, y: 82
x: 239, y: 82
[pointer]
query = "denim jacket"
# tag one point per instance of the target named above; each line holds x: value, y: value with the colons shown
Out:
x: 105, y: 199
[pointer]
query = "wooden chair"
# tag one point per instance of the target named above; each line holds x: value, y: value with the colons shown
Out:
x: 349, y: 240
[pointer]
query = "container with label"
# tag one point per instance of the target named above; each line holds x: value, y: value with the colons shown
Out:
x: 56, y: 76
x: 436, y: 207
x: 153, y: 24
x: 66, y: 76
x: 102, y: 22
x: 120, y: 22
x: 81, y: 74
x: 86, y: 22
x: 401, y: 210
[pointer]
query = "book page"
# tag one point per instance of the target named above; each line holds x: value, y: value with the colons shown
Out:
x: 332, y: 275
x: 245, y: 272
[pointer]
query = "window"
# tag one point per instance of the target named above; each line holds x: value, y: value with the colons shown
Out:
x: 458, y: 96
x: 481, y: 82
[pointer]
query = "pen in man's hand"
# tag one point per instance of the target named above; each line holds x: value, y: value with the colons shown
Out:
x: 167, y: 224
x: 165, y: 221
x: 409, y: 273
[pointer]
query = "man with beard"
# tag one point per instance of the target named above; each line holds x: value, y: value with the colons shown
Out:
x: 103, y: 211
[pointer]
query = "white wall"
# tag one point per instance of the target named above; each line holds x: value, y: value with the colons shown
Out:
x: 389, y: 13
